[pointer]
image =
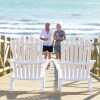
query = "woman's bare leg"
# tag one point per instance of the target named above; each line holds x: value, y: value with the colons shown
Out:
x: 57, y: 56
x: 49, y: 55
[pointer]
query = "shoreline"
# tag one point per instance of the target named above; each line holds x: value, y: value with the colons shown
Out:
x: 31, y: 27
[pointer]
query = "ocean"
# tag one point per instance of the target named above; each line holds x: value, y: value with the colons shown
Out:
x: 27, y: 17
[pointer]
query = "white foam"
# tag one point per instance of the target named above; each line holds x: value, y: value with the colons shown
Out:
x: 21, y: 28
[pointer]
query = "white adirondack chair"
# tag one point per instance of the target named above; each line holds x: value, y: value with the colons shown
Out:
x: 75, y: 61
x: 27, y: 60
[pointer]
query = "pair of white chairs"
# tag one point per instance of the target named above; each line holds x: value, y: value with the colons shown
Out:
x: 75, y: 63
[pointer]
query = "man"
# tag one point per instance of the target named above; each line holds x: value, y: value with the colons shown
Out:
x: 47, y: 37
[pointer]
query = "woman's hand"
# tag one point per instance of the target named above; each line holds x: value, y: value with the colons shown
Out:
x: 59, y: 38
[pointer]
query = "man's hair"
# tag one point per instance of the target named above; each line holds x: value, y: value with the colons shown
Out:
x: 47, y: 23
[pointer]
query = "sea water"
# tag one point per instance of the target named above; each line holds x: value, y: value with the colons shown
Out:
x: 27, y: 17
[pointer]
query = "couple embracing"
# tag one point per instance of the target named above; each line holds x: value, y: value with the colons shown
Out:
x: 52, y: 40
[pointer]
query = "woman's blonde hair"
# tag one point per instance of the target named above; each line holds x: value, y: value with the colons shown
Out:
x: 58, y: 25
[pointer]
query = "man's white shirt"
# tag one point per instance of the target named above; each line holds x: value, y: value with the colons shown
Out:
x: 48, y: 35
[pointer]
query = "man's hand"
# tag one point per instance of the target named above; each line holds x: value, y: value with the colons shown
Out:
x: 44, y: 39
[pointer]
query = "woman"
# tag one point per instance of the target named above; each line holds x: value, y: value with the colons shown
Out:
x: 59, y: 35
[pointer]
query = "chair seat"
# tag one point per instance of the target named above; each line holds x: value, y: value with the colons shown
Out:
x: 71, y: 78
x: 27, y: 61
x: 76, y: 63
x: 19, y: 78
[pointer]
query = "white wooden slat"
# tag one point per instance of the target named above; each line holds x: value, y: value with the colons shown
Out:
x: 22, y: 52
x: 67, y: 50
x: 71, y: 71
x: 29, y: 47
x: 27, y: 71
x: 67, y: 71
x: 31, y: 39
x: 80, y: 58
x: 31, y: 71
x: 40, y: 52
x: 29, y: 68
x: 35, y: 71
x: 62, y: 51
x: 64, y: 68
x: 14, y: 50
x: 89, y: 53
x: 87, y: 71
x: 67, y: 53
x: 83, y: 71
x: 15, y: 70
x: 63, y: 71
x: 39, y: 70
x: 75, y: 72
x: 32, y: 51
x: 18, y: 49
x: 85, y: 52
x: 23, y: 70
x: 79, y: 72
x: 19, y: 70
x: 27, y: 50
x: 76, y: 51
x: 22, y: 49
x: 36, y: 50
x: 72, y: 49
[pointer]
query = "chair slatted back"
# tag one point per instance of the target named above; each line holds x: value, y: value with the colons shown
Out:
x: 27, y: 57
x: 75, y: 58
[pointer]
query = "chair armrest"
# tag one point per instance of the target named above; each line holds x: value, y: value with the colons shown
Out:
x: 77, y: 63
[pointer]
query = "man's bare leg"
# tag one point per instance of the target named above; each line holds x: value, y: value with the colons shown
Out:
x: 45, y: 54
x: 49, y: 57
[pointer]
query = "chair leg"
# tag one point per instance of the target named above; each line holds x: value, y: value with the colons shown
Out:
x: 42, y: 84
x: 44, y: 81
x: 11, y: 84
x: 59, y: 85
x: 90, y: 85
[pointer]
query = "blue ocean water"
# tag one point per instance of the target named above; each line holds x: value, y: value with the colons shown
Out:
x: 77, y: 17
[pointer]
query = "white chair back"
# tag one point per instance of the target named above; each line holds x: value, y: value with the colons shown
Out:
x: 27, y: 55
x: 76, y: 53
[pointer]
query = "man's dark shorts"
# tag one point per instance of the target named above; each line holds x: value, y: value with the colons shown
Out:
x: 48, y: 48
